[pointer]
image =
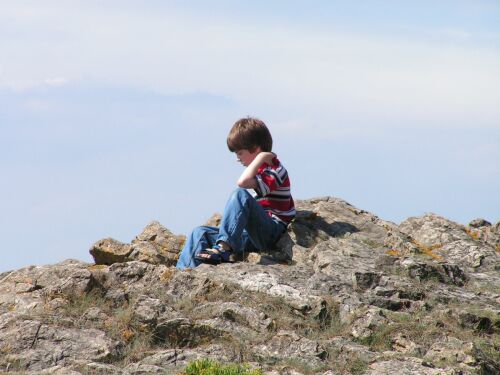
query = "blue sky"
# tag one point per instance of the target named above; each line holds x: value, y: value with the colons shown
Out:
x: 113, y: 114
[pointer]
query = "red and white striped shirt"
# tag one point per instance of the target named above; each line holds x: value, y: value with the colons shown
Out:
x: 273, y: 191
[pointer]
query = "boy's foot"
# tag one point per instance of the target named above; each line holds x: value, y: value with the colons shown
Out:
x: 215, y: 255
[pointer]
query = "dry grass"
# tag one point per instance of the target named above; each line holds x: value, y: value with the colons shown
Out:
x: 474, y: 234
x: 118, y: 323
x: 393, y: 252
x: 428, y: 250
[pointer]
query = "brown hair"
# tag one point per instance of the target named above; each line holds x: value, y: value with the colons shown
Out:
x: 249, y: 133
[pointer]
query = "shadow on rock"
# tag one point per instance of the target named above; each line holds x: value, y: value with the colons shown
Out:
x: 311, y: 228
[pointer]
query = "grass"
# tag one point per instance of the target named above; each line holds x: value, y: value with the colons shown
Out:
x: 474, y: 234
x: 425, y: 328
x: 118, y: 323
x: 428, y: 250
x: 349, y: 363
x: 210, y: 367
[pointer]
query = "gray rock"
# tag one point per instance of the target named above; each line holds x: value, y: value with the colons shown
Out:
x: 342, y: 292
x: 32, y: 345
x: 157, y: 245
x: 452, y: 352
x: 109, y: 251
x: 406, y: 366
x: 478, y: 223
x: 288, y: 344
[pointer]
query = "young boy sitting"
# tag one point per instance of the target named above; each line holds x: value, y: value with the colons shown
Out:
x: 250, y: 222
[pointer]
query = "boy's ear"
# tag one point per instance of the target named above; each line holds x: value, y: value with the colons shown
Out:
x: 255, y: 149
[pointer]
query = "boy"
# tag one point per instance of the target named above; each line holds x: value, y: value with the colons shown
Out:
x: 249, y: 223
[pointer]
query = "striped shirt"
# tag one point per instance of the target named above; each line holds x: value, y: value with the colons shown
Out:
x: 273, y: 191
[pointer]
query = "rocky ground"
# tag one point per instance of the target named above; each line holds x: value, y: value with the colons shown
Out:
x: 344, y: 292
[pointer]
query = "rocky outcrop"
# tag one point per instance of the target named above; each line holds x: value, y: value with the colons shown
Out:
x: 343, y: 292
x: 156, y: 245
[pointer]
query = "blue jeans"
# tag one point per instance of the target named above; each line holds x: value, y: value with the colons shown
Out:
x: 245, y: 226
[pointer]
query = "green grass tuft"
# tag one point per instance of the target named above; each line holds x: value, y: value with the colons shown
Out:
x: 210, y: 367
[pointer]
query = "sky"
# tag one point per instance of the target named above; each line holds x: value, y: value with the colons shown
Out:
x: 116, y: 113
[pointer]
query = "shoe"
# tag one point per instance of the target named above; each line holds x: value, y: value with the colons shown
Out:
x: 215, y: 255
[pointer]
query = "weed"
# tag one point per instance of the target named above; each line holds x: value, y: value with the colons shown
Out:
x: 380, y: 339
x: 210, y: 367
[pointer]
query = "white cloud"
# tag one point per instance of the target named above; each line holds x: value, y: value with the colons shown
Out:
x: 310, y: 74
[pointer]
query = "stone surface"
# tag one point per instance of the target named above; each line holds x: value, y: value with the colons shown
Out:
x: 109, y: 251
x: 155, y: 245
x: 342, y: 292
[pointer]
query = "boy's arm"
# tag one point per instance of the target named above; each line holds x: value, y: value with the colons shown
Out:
x: 247, y: 178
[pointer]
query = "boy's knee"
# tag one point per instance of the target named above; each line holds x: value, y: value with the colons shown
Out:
x: 199, y: 231
x: 240, y: 193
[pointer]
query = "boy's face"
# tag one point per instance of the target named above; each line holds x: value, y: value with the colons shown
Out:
x: 245, y: 157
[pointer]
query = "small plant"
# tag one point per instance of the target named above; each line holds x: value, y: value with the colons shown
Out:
x: 210, y: 367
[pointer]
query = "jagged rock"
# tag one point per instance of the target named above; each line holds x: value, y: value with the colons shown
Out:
x: 32, y: 345
x: 368, y: 322
x: 451, y: 352
x: 234, y: 313
x: 480, y: 321
x: 342, y: 291
x: 406, y: 366
x: 157, y: 245
x: 288, y: 344
x: 403, y: 344
x: 365, y: 280
x: 448, y: 241
x: 109, y: 251
x: 183, y: 333
x: 478, y: 223
x: 433, y: 230
x: 147, y: 310
x: 444, y: 273
x: 214, y: 220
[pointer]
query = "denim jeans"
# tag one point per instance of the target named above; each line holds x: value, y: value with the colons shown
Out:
x: 245, y: 226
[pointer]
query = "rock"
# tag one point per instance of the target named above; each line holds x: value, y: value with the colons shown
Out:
x: 452, y: 352
x: 33, y: 346
x: 433, y: 230
x: 406, y: 366
x: 288, y: 344
x: 236, y: 313
x: 183, y: 333
x: 155, y: 245
x: 342, y: 292
x: 109, y: 251
x: 403, y: 344
x: 214, y: 220
x: 147, y: 310
x: 478, y: 223
x: 443, y: 273
x: 155, y: 238
x: 365, y: 280
x: 480, y: 321
x: 368, y: 322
